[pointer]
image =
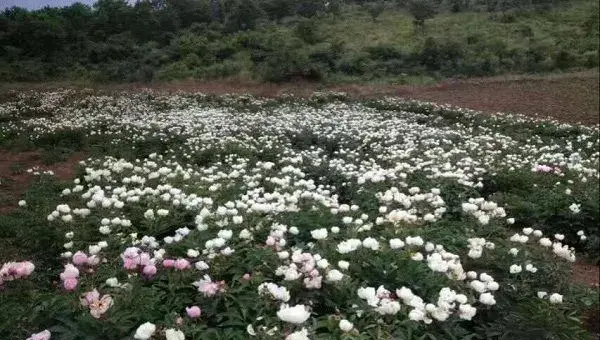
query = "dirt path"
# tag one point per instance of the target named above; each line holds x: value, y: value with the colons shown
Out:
x: 14, y: 178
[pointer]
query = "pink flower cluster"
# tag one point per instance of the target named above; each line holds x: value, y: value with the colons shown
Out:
x: 179, y: 264
x: 208, y: 287
x: 70, y: 277
x: 313, y: 279
x: 98, y: 305
x: 134, y: 258
x: 15, y: 270
x: 80, y: 259
x: 547, y: 169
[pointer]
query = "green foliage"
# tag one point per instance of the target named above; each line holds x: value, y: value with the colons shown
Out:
x: 116, y: 41
x: 421, y: 10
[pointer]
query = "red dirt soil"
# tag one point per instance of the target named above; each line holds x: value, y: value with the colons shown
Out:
x: 568, y: 97
x: 14, y: 178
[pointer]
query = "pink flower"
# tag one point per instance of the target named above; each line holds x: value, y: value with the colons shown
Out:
x: 24, y: 269
x: 247, y: 277
x: 542, y: 168
x: 70, y: 283
x: 144, y: 259
x: 182, y: 264
x: 98, y: 306
x: 168, y: 263
x: 208, y: 287
x: 193, y: 312
x: 80, y: 258
x: 70, y: 272
x: 129, y: 263
x: 93, y: 260
x: 179, y: 321
x: 149, y: 270
x: 43, y: 335
x: 90, y: 297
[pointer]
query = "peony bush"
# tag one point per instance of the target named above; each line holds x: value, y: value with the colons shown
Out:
x: 233, y: 217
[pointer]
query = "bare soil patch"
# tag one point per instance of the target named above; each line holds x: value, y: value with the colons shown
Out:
x: 569, y: 97
x: 586, y: 274
x: 14, y: 178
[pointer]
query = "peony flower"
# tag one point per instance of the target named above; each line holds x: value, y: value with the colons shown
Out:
x: 43, y: 335
x: 70, y: 283
x: 99, y: 307
x: 487, y: 299
x: 182, y: 264
x: 174, y: 334
x: 80, y: 258
x: 297, y: 314
x: 193, y: 311
x: 345, y: 325
x: 515, y: 269
x: 149, y: 270
x: 299, y: 335
x: 145, y: 331
x: 556, y: 298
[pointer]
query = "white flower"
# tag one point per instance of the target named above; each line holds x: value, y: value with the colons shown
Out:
x: 396, y: 243
x: 541, y: 294
x: 530, y: 268
x: 370, y: 243
x: 94, y: 249
x: 22, y: 203
x: 174, y: 334
x: 478, y: 286
x: 575, y: 208
x: 513, y: 251
x: 193, y: 253
x: 334, y: 275
x: 104, y: 230
x: 417, y: 256
x: 527, y: 231
x: 545, y: 242
x: 296, y: 314
x: 466, y: 311
x: 416, y: 315
x: 556, y: 298
x: 319, y: 234
x: 537, y: 233
x: 145, y: 331
x: 510, y: 220
x: 487, y: 299
x: 112, y: 282
x: 250, y: 330
x: 559, y: 237
x: 299, y: 335
x: 201, y: 265
x: 515, y: 269
x: 493, y: 286
x: 345, y: 325
x: 343, y: 264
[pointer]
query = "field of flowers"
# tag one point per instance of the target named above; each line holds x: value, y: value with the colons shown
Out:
x: 233, y: 217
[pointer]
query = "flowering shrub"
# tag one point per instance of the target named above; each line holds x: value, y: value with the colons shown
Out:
x: 237, y: 217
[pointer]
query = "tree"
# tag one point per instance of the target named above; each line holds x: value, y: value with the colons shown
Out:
x: 421, y: 10
x: 375, y: 9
